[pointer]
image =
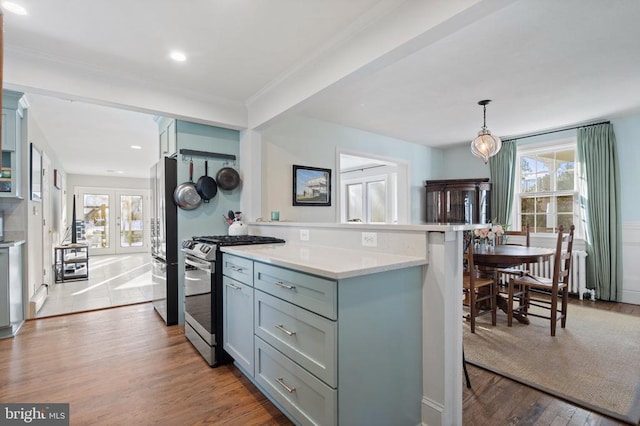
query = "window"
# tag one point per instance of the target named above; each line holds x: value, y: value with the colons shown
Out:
x: 372, y: 190
x: 546, y: 186
x: 367, y: 200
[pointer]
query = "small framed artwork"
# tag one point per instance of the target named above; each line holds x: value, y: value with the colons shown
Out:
x: 311, y: 186
x: 57, y: 179
x: 36, y: 173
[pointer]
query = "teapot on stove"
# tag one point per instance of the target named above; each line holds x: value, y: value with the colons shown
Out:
x: 237, y: 226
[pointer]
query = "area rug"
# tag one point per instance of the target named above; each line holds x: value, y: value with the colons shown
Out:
x: 594, y: 362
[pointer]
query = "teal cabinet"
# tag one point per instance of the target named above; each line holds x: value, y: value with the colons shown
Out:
x: 237, y: 302
x: 11, y: 297
x: 168, y: 142
x: 12, y: 116
x: 331, y: 352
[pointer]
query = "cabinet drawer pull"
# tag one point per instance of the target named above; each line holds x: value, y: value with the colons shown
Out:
x: 233, y: 286
x: 283, y: 285
x: 235, y: 268
x: 284, y: 330
x: 281, y: 381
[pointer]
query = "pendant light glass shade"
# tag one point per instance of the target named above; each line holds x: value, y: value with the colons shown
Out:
x: 485, y: 145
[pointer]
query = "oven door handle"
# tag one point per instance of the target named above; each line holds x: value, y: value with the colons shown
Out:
x: 200, y: 265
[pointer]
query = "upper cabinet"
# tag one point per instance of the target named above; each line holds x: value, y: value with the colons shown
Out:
x: 12, y: 116
x: 458, y: 200
x: 168, y: 140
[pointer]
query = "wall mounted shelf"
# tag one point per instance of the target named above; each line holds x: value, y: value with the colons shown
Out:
x: 195, y: 153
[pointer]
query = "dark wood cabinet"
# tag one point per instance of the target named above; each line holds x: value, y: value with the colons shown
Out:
x: 458, y: 200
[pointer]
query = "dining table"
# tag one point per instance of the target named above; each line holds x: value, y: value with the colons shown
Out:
x: 489, y: 258
x: 509, y: 255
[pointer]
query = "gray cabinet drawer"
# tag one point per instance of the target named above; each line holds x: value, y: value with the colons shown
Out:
x: 316, y: 294
x: 306, y: 338
x: 238, y: 268
x: 305, y: 397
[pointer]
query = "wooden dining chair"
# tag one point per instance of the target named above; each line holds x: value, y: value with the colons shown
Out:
x: 514, y: 270
x: 524, y: 232
x: 478, y: 302
x: 530, y: 290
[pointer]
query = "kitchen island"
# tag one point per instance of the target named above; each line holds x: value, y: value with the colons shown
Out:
x: 428, y: 257
x: 336, y: 332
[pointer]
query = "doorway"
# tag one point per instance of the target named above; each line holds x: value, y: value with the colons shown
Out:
x: 373, y: 190
x: 114, y: 219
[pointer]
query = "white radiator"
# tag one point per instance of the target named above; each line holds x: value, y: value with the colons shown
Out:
x: 577, y: 275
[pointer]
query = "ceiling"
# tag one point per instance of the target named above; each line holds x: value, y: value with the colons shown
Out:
x: 544, y: 63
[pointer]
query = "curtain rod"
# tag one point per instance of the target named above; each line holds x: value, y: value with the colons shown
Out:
x: 555, y: 131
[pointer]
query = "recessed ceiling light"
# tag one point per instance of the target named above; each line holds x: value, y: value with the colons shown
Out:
x: 178, y: 56
x: 14, y: 8
x: 136, y: 147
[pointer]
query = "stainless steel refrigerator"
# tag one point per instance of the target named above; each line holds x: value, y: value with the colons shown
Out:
x: 164, y: 239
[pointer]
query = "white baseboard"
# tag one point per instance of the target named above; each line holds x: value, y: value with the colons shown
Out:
x: 37, y: 300
x: 629, y: 296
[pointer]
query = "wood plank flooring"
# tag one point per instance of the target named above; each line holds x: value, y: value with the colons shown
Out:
x: 496, y: 400
x: 122, y: 366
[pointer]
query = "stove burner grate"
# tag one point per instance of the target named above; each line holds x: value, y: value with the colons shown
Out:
x: 228, y: 240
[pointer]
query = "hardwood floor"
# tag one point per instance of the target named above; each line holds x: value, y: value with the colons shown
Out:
x: 496, y: 400
x: 123, y: 366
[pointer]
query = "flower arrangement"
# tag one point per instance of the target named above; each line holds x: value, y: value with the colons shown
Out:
x: 489, y: 234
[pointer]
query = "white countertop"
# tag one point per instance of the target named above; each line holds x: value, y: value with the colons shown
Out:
x: 329, y: 262
x: 421, y: 227
x: 7, y: 244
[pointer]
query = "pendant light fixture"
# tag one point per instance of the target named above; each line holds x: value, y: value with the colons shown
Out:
x: 485, y: 145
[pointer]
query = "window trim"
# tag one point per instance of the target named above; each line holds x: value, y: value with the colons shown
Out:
x: 538, y: 148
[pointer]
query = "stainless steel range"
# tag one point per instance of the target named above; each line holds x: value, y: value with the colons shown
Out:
x: 203, y: 291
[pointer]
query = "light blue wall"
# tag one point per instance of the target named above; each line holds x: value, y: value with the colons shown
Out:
x: 310, y: 142
x: 459, y: 163
x: 206, y: 219
x: 627, y: 130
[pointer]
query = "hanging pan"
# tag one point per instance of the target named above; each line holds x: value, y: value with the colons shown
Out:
x: 186, y: 195
x: 206, y: 185
x: 228, y: 178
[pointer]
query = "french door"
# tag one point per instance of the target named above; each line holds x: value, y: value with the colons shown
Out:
x: 114, y: 220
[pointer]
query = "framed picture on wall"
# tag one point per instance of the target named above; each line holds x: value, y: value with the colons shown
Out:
x: 57, y: 179
x: 311, y: 186
x: 35, y: 175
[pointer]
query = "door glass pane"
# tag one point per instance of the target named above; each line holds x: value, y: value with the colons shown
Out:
x: 96, y: 219
x: 377, y: 195
x: 131, y: 221
x: 354, y: 203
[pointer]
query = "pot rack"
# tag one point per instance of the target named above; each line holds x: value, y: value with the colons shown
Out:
x: 195, y: 153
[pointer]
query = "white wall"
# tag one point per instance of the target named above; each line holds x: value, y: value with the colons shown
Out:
x: 99, y: 182
x: 309, y: 142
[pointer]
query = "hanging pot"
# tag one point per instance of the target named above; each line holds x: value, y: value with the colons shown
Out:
x: 228, y: 178
x: 206, y: 185
x: 186, y: 195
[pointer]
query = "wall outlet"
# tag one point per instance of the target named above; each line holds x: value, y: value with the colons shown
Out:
x: 304, y: 235
x: 370, y: 239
